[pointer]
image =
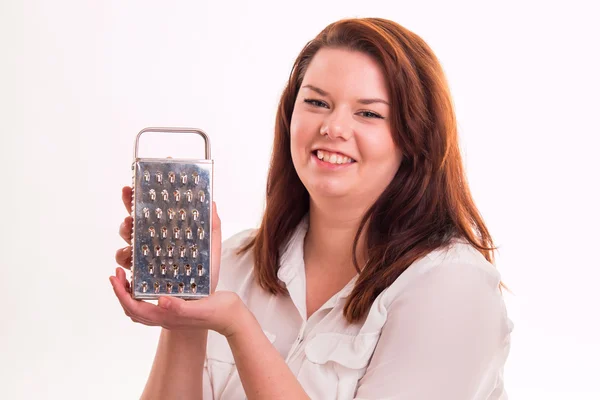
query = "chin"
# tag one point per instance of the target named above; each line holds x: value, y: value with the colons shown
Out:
x: 329, y: 189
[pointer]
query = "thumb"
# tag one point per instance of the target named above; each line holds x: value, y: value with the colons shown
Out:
x: 192, y: 309
x: 170, y: 303
x: 216, y: 236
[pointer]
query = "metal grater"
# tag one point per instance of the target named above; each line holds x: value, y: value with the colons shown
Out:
x: 172, y: 221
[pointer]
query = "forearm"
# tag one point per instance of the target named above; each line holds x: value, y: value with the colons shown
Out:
x: 263, y: 372
x: 178, y: 366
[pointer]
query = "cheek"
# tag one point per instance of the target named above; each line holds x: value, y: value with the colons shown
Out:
x: 377, y: 145
x: 301, y: 130
x: 298, y: 140
x: 381, y: 149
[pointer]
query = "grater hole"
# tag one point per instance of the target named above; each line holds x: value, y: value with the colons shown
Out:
x: 181, y: 286
x: 188, y: 269
x: 200, y: 270
x: 194, y: 287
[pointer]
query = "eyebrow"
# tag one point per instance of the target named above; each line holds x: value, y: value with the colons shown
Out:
x: 361, y: 101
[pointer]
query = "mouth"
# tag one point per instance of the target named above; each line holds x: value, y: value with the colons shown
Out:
x: 333, y: 158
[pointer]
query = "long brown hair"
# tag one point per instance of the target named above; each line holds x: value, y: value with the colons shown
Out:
x: 427, y: 204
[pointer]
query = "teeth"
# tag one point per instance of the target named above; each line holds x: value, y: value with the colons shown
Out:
x: 333, y: 158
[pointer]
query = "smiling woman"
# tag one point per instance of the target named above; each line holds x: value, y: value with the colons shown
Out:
x: 344, y: 119
x: 371, y: 274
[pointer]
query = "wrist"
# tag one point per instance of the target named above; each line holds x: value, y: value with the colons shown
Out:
x: 240, y: 317
x: 190, y: 335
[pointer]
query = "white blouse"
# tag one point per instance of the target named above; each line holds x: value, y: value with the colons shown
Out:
x: 440, y: 331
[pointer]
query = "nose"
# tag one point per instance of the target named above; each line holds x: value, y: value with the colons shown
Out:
x: 338, y: 125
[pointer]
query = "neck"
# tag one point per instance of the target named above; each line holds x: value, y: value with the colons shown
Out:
x: 331, y: 232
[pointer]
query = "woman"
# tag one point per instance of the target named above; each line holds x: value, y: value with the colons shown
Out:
x: 371, y: 274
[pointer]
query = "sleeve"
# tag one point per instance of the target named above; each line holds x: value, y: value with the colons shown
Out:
x: 207, y: 391
x: 219, y: 365
x: 446, y: 337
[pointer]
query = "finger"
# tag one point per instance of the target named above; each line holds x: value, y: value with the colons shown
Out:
x: 181, y: 314
x: 121, y: 280
x: 134, y: 318
x: 122, y: 277
x: 123, y: 257
x: 139, y: 311
x: 125, y: 229
x: 126, y: 197
x: 215, y: 251
x: 216, y: 235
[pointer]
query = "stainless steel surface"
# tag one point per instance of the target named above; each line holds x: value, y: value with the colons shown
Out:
x: 171, y: 238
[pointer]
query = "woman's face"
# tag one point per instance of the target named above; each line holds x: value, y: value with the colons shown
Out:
x: 341, y: 141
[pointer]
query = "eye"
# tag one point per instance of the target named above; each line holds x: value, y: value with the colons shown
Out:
x: 370, y: 114
x: 316, y: 103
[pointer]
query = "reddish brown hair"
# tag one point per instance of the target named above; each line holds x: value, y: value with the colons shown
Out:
x: 428, y: 202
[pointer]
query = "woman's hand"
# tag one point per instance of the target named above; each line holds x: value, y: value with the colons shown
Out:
x: 219, y: 312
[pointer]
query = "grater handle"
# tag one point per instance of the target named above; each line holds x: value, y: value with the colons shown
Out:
x: 175, y: 130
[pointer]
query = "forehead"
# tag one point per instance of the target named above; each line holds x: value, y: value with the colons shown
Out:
x: 346, y: 71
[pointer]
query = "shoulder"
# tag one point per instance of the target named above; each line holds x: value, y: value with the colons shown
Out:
x: 454, y: 283
x: 235, y: 266
x: 446, y: 307
x: 458, y: 266
x: 231, y: 245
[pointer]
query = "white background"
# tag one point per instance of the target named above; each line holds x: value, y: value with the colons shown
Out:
x: 79, y: 79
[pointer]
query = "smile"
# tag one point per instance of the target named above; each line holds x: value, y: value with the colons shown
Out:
x: 332, y: 158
